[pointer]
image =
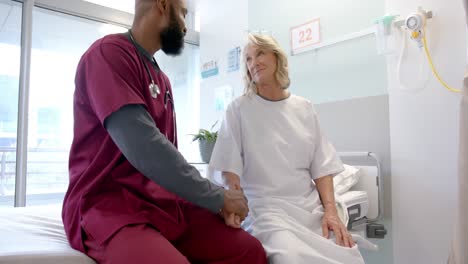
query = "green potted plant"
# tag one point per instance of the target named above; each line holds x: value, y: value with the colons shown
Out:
x: 206, y: 142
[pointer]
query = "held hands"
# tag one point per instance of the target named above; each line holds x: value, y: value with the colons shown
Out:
x: 235, y: 208
x: 331, y: 222
x: 233, y: 218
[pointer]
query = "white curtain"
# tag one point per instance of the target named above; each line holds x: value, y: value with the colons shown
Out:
x: 459, y: 254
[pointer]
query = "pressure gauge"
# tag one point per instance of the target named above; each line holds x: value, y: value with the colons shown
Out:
x: 415, y: 21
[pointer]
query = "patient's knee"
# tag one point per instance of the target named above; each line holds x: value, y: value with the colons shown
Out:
x: 284, y: 247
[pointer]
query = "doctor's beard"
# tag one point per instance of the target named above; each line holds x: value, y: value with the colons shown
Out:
x: 172, y: 38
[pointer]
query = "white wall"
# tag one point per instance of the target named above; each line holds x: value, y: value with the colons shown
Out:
x: 349, y: 70
x: 223, y: 26
x: 424, y: 139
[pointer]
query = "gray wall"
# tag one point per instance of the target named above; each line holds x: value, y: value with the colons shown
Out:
x: 347, y: 82
x: 362, y: 124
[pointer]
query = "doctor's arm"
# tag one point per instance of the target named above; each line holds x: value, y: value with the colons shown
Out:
x: 331, y: 221
x: 133, y: 130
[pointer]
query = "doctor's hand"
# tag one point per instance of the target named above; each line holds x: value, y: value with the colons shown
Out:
x: 235, y: 208
x: 331, y: 222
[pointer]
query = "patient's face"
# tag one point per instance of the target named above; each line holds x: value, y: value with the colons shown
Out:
x: 261, y: 64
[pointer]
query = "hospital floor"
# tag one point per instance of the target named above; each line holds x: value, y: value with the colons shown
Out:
x: 385, y: 253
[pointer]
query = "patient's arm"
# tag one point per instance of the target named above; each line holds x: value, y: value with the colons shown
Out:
x: 327, y: 194
x: 331, y: 221
x: 231, y: 180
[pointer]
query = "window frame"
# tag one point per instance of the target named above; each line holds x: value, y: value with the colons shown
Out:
x: 100, y: 13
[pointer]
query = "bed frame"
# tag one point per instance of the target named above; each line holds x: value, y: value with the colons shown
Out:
x: 372, y: 183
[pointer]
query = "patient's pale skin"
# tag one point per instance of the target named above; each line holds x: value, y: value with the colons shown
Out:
x: 262, y: 67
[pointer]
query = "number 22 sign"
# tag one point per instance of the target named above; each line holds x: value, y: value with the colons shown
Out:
x: 305, y: 35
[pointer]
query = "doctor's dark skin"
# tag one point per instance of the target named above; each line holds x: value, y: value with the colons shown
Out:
x: 152, y: 35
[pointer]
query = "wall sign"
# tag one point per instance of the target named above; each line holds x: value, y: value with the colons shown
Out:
x: 234, y: 59
x: 305, y: 35
x: 209, y: 68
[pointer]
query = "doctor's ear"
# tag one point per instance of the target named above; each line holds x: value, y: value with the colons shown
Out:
x: 162, y: 4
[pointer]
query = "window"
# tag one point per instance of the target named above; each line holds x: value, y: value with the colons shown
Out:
x: 183, y: 72
x: 55, y: 56
x: 58, y: 43
x: 122, y: 5
x: 10, y: 52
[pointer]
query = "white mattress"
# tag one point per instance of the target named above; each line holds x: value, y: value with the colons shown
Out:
x: 36, y: 235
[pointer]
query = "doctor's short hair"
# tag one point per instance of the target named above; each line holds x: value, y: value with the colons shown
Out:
x: 266, y: 42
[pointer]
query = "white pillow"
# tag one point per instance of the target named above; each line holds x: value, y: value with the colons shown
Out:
x: 343, y: 181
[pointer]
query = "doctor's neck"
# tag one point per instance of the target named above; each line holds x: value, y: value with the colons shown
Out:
x: 146, y: 37
x: 271, y: 91
x: 145, y: 27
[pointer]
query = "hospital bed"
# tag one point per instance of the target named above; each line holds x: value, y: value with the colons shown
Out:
x: 358, y: 191
x: 363, y: 198
x: 36, y: 234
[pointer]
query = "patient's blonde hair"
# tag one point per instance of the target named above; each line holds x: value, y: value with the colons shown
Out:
x: 267, y: 43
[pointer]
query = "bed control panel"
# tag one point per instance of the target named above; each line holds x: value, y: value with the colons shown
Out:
x: 354, y: 213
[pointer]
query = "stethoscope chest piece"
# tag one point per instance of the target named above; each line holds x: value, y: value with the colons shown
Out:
x: 154, y: 89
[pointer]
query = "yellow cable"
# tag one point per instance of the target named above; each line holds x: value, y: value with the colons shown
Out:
x: 429, y: 58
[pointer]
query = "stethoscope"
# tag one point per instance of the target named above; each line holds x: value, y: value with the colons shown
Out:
x: 154, y: 88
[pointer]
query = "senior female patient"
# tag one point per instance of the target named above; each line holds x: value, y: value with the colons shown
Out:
x: 270, y: 144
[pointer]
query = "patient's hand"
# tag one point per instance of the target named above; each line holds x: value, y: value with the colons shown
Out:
x: 234, y: 186
x: 232, y: 220
x: 331, y: 222
x: 231, y: 180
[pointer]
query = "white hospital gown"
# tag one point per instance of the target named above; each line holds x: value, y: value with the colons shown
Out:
x: 277, y: 148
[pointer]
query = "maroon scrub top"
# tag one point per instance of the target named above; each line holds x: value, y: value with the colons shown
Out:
x: 105, y: 191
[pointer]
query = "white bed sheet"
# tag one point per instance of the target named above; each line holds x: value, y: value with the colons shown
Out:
x: 36, y: 235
